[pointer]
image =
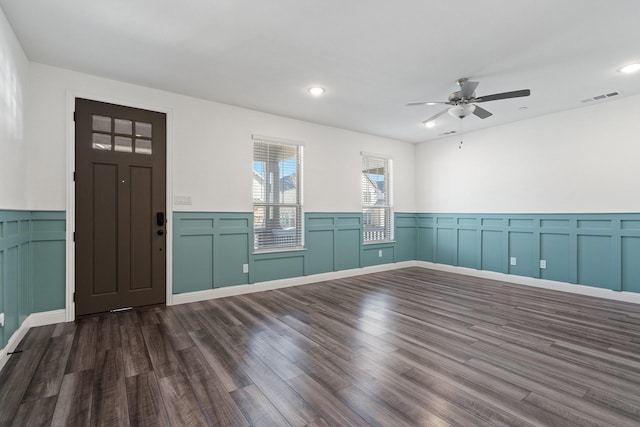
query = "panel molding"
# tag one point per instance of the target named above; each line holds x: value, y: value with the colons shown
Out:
x: 32, y: 266
x: 593, y: 249
x: 201, y: 258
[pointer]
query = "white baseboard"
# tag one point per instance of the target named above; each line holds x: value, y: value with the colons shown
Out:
x: 631, y: 297
x: 33, y: 320
x: 283, y: 283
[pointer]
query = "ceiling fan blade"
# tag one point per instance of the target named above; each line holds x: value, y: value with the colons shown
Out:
x: 467, y: 88
x: 481, y: 112
x: 503, y: 95
x: 413, y: 104
x: 435, y: 116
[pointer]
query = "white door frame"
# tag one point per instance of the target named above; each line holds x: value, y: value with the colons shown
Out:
x: 70, y: 307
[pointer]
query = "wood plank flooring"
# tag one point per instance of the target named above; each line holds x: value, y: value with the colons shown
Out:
x: 410, y: 347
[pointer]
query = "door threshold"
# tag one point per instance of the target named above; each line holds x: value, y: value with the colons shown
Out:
x: 116, y: 310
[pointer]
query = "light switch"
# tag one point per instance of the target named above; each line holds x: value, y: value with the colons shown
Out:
x: 512, y: 260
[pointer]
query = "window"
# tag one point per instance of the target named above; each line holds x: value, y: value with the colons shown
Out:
x: 277, y: 195
x: 377, y: 203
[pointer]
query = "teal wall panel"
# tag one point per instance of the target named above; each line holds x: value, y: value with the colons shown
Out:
x: 11, y: 285
x: 521, y: 247
x: 24, y: 292
x: 333, y: 241
x: 631, y: 263
x: 233, y: 254
x: 445, y: 250
x: 277, y: 265
x: 554, y: 249
x: 468, y: 248
x: 589, y: 249
x: 492, y: 255
x: 27, y: 276
x: 210, y: 249
x: 320, y: 246
x: 376, y: 254
x: 425, y: 238
x: 196, y: 263
x: 406, y: 236
x: 594, y: 261
x: 347, y: 249
x: 48, y: 259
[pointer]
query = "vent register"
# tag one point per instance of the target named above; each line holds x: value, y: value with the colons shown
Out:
x: 601, y: 97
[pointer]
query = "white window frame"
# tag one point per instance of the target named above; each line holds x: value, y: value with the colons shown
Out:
x: 275, y: 239
x: 372, y: 222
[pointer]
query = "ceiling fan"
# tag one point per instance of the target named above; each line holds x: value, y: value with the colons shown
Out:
x: 463, y: 102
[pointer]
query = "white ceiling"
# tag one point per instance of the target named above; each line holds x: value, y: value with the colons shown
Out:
x: 372, y: 56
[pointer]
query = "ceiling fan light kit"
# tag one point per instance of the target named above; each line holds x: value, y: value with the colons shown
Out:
x: 462, y: 110
x: 463, y: 102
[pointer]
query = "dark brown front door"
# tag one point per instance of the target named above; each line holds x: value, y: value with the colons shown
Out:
x: 120, y: 202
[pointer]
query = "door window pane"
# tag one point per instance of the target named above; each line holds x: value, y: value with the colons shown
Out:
x: 123, y: 126
x: 143, y: 146
x: 100, y: 141
x: 123, y: 144
x: 143, y: 130
x: 101, y: 123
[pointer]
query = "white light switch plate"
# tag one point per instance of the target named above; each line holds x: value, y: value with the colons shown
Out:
x: 543, y: 263
x: 182, y: 200
x: 1, y: 320
x: 512, y: 260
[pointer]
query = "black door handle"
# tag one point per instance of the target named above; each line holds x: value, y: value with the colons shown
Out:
x: 160, y: 219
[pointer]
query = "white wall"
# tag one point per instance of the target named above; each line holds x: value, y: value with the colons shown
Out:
x: 212, y: 148
x: 14, y: 76
x: 578, y: 161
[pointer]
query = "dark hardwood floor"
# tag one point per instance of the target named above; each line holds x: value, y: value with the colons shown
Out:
x: 409, y: 347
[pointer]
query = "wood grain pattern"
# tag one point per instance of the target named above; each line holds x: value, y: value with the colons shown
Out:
x: 408, y: 347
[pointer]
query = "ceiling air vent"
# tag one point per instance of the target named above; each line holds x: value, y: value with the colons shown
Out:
x: 451, y: 132
x: 599, y: 97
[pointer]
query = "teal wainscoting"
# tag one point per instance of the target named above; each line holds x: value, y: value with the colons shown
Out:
x: 333, y: 242
x: 599, y: 250
x: 210, y: 248
x: 32, y: 266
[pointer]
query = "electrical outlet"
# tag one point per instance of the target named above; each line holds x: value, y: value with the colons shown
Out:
x: 245, y: 268
x: 513, y: 260
x: 543, y: 263
x: 1, y: 320
x: 380, y: 254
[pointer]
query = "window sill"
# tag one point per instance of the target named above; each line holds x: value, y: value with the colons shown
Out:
x: 277, y: 250
x: 378, y: 242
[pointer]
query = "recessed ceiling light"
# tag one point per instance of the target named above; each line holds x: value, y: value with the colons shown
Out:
x: 631, y: 68
x: 430, y: 124
x: 431, y: 103
x: 316, y: 90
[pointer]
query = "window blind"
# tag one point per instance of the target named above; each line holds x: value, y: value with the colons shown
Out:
x: 277, y: 195
x: 376, y: 199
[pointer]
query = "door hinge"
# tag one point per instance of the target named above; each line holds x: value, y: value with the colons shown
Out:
x: 74, y: 236
x: 74, y: 176
x: 74, y: 116
x: 74, y: 297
